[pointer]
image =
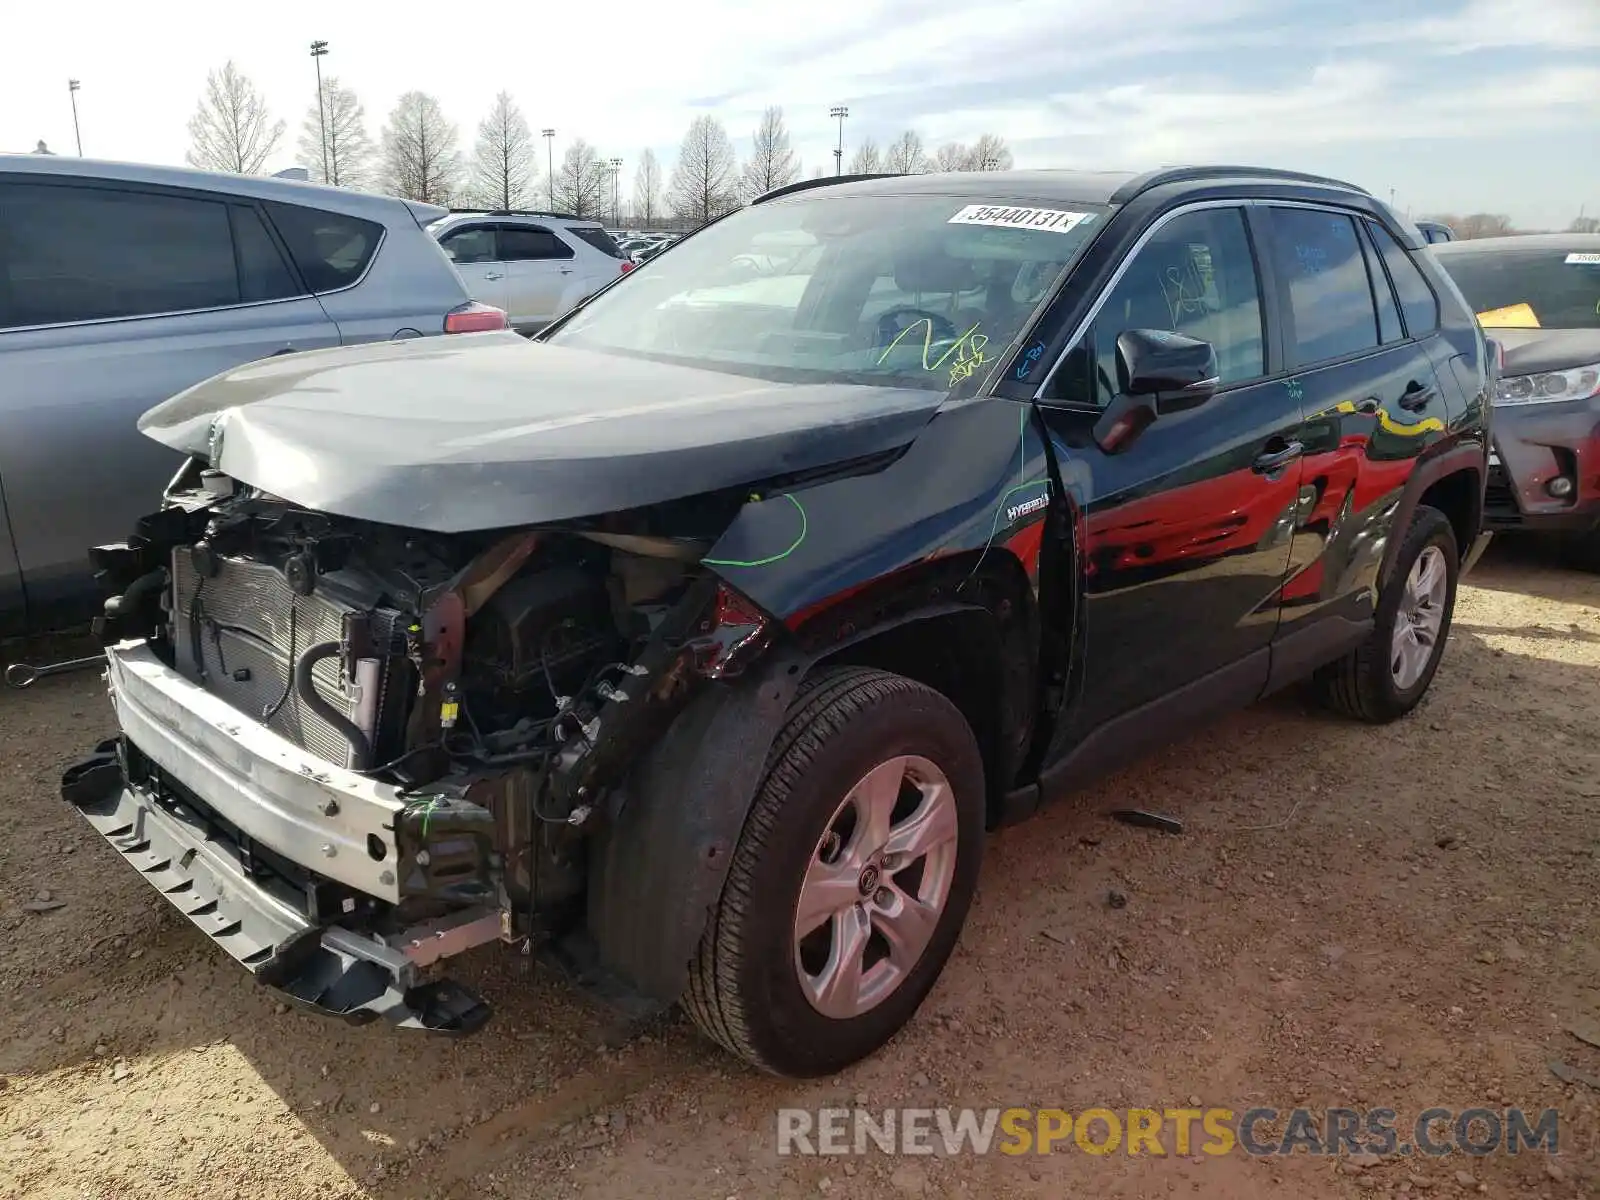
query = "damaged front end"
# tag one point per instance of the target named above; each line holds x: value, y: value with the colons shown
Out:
x: 349, y: 750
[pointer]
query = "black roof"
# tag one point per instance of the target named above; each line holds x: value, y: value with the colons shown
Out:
x: 1087, y: 187
x: 1582, y: 243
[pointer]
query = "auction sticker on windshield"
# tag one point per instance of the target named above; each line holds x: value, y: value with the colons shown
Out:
x: 1009, y: 217
x: 1592, y: 260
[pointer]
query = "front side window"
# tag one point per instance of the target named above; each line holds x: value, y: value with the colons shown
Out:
x: 909, y: 291
x: 79, y: 253
x: 1195, y: 276
x: 472, y: 245
x: 1550, y: 285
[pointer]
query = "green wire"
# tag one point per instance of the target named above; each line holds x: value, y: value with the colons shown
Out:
x: 763, y: 562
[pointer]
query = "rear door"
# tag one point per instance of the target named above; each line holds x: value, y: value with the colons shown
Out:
x: 541, y: 278
x: 115, y: 298
x: 474, y: 250
x: 1371, y: 400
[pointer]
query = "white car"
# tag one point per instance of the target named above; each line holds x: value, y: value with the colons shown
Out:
x: 534, y: 265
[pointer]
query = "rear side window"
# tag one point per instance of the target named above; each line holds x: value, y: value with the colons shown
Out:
x: 1417, y: 301
x: 331, y: 249
x: 1389, y: 327
x: 263, y: 273
x: 601, y: 241
x: 474, y: 244
x: 522, y: 243
x: 1319, y: 259
x: 76, y: 253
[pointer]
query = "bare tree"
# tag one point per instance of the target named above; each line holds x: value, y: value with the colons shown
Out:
x: 581, y: 181
x: 420, y: 160
x: 952, y: 156
x: 704, y: 183
x: 820, y: 173
x: 772, y: 160
x: 231, y: 129
x: 1585, y: 225
x: 906, y: 156
x: 867, y: 160
x: 647, y: 188
x: 503, y: 166
x: 1482, y: 225
x: 990, y: 153
x: 349, y: 149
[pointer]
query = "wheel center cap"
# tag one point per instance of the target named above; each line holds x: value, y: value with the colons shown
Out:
x: 868, y: 883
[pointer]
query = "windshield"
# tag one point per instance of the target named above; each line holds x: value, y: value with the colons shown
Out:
x: 1525, y: 287
x: 906, y: 291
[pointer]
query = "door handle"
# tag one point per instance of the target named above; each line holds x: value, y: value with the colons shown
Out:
x: 494, y: 275
x: 566, y: 270
x: 1274, y: 461
x: 1416, y: 397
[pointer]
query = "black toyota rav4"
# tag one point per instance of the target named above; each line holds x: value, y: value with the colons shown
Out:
x: 695, y: 644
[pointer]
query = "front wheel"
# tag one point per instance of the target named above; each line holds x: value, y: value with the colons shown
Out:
x: 851, y: 879
x: 1386, y: 676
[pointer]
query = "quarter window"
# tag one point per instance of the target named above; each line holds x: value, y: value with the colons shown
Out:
x: 1417, y: 301
x: 1389, y: 328
x: 331, y: 249
x: 1320, y: 261
x: 1196, y: 276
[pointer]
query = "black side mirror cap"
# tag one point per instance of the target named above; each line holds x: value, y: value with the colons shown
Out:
x: 1158, y: 373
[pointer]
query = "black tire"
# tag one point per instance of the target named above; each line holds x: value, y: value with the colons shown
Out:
x: 744, y: 990
x: 1362, y: 684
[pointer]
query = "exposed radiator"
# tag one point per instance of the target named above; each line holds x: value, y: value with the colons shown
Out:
x: 238, y: 635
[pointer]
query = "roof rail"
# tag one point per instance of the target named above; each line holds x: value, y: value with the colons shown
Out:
x: 803, y: 185
x: 520, y: 212
x: 1164, y: 175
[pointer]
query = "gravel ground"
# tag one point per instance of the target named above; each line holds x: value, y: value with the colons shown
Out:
x: 1402, y: 916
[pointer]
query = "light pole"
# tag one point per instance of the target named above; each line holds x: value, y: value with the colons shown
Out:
x: 616, y: 190
x: 549, y: 136
x: 318, y: 49
x: 72, y: 92
x: 839, y: 112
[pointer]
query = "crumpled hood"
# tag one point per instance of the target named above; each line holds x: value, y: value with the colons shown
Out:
x: 482, y: 431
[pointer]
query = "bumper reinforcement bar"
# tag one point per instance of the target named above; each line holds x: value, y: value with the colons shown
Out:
x: 325, y: 969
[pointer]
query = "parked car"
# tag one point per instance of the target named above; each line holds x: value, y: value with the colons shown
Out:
x: 1538, y: 296
x: 1436, y: 231
x: 696, y: 642
x: 535, y: 265
x: 121, y: 285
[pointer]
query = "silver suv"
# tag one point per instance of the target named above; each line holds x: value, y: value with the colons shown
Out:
x: 535, y: 265
x: 122, y: 285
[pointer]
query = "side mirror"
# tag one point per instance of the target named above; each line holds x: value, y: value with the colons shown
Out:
x: 1158, y: 373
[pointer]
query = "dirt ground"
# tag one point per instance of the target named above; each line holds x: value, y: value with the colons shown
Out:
x: 1403, y: 917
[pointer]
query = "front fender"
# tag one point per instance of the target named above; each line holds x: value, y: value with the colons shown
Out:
x: 975, y: 480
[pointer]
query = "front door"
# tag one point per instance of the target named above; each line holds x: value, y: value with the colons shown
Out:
x: 1186, y: 533
x: 477, y: 258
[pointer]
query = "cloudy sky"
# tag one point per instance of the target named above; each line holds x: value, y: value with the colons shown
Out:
x: 1457, y: 105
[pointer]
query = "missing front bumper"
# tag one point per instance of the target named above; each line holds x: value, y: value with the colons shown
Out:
x: 258, y: 920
